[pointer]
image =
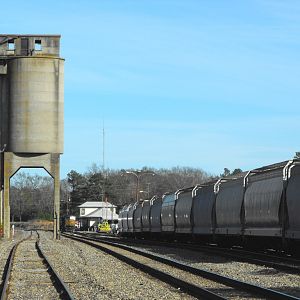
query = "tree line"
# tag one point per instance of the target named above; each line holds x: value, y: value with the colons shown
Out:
x: 120, y: 186
x: 31, y: 197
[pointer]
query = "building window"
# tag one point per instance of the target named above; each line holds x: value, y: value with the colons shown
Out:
x: 82, y: 211
x: 38, y: 45
x: 11, y: 45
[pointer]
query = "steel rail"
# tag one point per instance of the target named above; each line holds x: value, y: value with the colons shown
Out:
x: 61, y: 287
x: 8, y: 268
x: 56, y: 279
x: 277, y: 257
x: 269, y: 293
x: 7, y: 272
x: 239, y: 255
x: 191, y: 289
x: 256, y: 258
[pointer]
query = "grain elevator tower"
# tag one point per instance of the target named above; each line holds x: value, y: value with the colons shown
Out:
x: 31, y: 116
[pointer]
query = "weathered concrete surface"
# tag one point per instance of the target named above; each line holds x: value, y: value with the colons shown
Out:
x: 36, y: 105
x: 13, y: 162
x: 31, y: 112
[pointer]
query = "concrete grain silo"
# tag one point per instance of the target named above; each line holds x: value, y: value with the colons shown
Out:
x: 31, y: 94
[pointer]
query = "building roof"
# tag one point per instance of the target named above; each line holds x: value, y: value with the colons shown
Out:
x: 104, y: 213
x: 96, y: 204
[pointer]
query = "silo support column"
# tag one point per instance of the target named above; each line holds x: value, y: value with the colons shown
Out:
x: 56, y: 206
x: 1, y: 193
x: 6, y: 206
x: 12, y: 163
x: 1, y: 210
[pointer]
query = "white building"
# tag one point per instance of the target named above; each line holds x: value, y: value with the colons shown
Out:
x: 94, y: 212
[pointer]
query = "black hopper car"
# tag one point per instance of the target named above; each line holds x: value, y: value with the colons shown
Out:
x: 258, y: 208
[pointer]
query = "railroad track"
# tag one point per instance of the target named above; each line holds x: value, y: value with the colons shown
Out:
x: 29, y: 274
x: 280, y: 263
x: 219, y: 287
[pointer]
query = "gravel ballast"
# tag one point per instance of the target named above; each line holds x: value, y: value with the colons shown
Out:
x: 6, y: 246
x: 92, y: 274
x: 255, y: 274
x: 30, y: 278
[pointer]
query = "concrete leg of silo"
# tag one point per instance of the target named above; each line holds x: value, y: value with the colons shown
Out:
x: 6, y: 210
x: 1, y: 207
x: 6, y: 206
x: 12, y: 163
x: 55, y: 173
x: 1, y: 192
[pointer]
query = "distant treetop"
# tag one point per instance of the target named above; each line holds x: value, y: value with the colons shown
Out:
x: 227, y: 172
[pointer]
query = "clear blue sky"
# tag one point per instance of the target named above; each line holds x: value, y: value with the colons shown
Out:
x: 207, y: 84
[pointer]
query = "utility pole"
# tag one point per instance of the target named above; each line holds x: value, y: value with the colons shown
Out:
x: 103, y: 163
x: 148, y: 190
x: 137, y: 174
x: 104, y: 197
x: 103, y: 147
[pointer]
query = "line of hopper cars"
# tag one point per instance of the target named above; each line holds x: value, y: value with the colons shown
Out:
x: 259, y: 207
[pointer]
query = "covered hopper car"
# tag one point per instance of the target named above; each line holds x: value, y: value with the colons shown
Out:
x: 261, y: 206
